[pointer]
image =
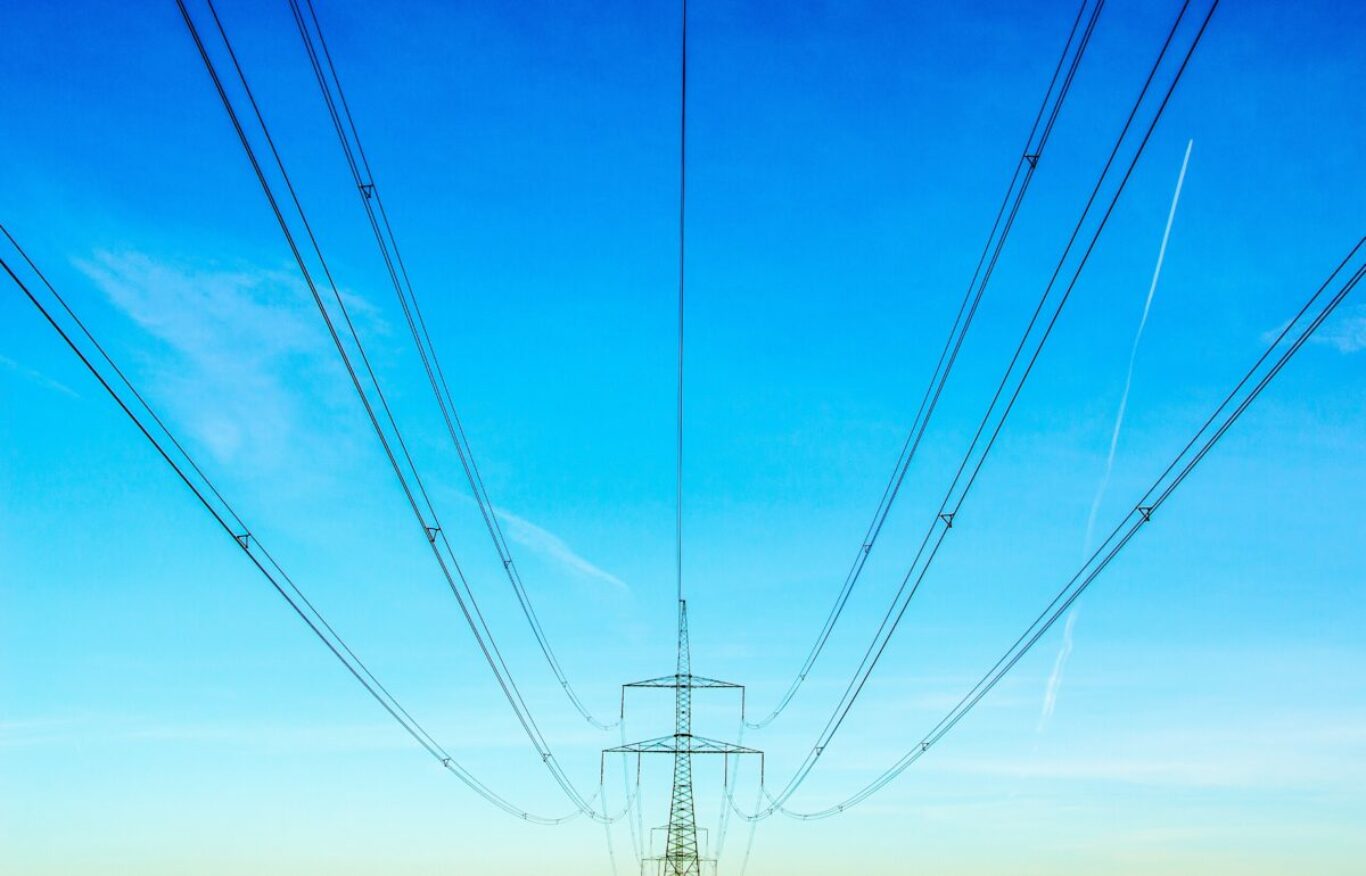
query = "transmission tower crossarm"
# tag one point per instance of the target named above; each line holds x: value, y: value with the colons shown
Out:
x: 692, y: 681
x: 683, y: 854
x: 682, y: 744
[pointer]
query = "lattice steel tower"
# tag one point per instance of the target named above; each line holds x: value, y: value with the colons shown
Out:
x: 682, y: 854
x: 680, y: 849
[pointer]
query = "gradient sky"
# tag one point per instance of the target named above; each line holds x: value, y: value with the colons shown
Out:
x: 162, y: 712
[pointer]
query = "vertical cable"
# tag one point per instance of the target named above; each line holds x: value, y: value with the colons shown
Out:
x: 682, y: 213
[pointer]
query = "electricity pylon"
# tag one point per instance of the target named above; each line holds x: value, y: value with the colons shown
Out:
x: 682, y: 855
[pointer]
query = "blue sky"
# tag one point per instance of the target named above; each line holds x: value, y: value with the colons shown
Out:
x: 160, y: 709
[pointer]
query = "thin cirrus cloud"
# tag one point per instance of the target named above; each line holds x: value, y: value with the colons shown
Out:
x: 1347, y: 333
x: 85, y: 729
x: 239, y: 343
x: 554, y: 548
x: 1327, y: 756
x: 93, y: 728
x: 37, y: 378
x: 235, y: 343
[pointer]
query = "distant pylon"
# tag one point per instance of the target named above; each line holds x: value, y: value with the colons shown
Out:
x: 682, y: 854
x: 680, y: 849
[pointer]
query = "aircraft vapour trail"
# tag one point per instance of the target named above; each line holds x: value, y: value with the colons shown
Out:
x: 1050, y: 697
x: 1055, y: 678
x: 1133, y: 354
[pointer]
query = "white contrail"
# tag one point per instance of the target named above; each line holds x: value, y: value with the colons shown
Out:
x: 1050, y: 697
x: 1055, y: 678
x: 1133, y: 355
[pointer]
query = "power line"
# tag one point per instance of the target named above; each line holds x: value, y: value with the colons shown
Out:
x: 943, y: 521
x: 682, y: 240
x: 430, y: 523
x: 1025, y: 167
x: 1139, y: 514
x: 225, y: 515
x: 325, y: 72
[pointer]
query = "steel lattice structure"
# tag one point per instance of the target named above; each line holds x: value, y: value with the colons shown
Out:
x: 682, y: 853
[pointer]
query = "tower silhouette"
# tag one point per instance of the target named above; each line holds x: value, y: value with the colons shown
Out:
x: 680, y: 848
x: 682, y: 854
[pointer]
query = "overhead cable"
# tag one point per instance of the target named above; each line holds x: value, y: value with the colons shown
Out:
x: 372, y: 200
x: 944, y: 519
x: 1234, y: 405
x: 1025, y: 166
x: 169, y: 448
x: 432, y: 531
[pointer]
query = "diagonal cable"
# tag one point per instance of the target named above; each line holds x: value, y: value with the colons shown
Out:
x: 1025, y: 166
x: 353, y: 150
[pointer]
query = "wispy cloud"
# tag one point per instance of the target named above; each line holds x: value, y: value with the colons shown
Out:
x: 1346, y: 332
x: 37, y: 378
x: 1201, y: 757
x: 82, y: 729
x: 1055, y: 678
x: 478, y: 733
x: 551, y: 546
x: 1177, y: 772
x: 17, y: 733
x: 1050, y: 697
x: 1133, y: 356
x: 240, y: 341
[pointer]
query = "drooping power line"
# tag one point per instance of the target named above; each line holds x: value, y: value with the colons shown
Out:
x: 372, y: 200
x: 1141, y: 513
x: 228, y: 519
x: 1025, y: 166
x: 432, y: 531
x: 944, y: 519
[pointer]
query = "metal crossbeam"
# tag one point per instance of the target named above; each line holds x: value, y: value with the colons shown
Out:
x: 682, y: 855
x: 693, y: 681
x: 676, y: 744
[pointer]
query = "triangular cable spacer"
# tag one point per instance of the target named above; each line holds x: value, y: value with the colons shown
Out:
x: 1032, y: 158
x: 244, y: 540
x: 368, y: 190
x: 1146, y: 511
x: 924, y: 746
x: 947, y: 517
x: 431, y: 533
